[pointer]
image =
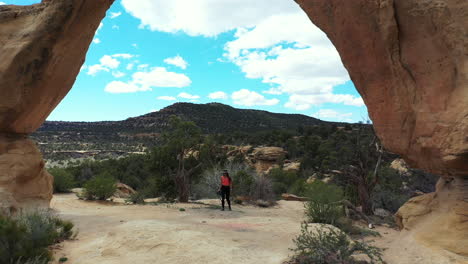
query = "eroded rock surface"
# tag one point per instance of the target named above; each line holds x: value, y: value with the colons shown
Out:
x: 263, y: 159
x: 23, y: 179
x: 408, y: 59
x: 42, y: 49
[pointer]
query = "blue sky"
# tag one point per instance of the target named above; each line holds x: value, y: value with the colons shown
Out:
x: 263, y: 54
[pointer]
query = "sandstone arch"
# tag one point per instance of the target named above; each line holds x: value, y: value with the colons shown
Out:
x: 407, y: 58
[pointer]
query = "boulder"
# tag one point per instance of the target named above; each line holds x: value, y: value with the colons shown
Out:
x: 440, y: 218
x: 269, y: 153
x: 408, y: 58
x: 24, y: 182
x: 43, y: 48
x: 400, y: 166
x: 292, y: 166
x: 123, y: 190
x: 263, y: 159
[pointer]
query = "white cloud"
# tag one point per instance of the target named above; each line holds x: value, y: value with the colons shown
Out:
x: 331, y: 114
x: 135, y: 45
x: 249, y: 98
x: 96, y: 41
x: 2, y: 3
x: 94, y: 69
x: 218, y: 95
x: 188, y: 96
x: 115, y: 14
x: 303, y: 102
x: 177, y: 61
x: 122, y: 87
x: 129, y: 66
x: 123, y: 55
x: 83, y: 67
x: 109, y: 62
x: 204, y: 17
x: 274, y: 41
x: 118, y: 74
x: 160, y: 77
x: 166, y: 98
x: 274, y: 91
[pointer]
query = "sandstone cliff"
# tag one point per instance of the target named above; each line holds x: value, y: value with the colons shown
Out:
x: 408, y: 60
x: 42, y: 49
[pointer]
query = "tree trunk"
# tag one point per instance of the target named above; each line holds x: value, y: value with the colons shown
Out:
x: 364, y: 198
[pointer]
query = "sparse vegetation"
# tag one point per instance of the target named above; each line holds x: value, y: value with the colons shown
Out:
x: 324, y: 203
x: 63, y: 180
x: 328, y: 245
x: 101, y: 187
x: 25, y: 238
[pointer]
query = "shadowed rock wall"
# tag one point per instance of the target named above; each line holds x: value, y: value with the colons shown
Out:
x: 42, y: 49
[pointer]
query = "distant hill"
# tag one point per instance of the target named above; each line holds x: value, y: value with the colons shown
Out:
x: 211, y: 118
x: 61, y: 140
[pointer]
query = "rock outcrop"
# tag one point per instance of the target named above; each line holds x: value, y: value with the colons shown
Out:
x: 42, y: 49
x: 263, y: 159
x: 408, y: 58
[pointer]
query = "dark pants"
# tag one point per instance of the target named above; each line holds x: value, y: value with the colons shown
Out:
x: 225, y: 194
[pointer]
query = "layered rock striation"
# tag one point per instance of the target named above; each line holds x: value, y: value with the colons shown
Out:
x: 42, y: 49
x: 408, y: 59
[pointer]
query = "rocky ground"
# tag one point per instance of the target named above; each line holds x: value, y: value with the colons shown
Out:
x: 114, y: 233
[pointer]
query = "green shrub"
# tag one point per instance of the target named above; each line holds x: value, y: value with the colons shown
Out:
x: 323, y: 205
x: 282, y: 180
x: 100, y: 188
x: 244, y: 181
x: 63, y: 180
x: 299, y: 187
x: 328, y: 245
x: 137, y: 198
x: 25, y: 238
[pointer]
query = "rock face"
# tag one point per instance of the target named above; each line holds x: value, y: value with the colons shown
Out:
x: 23, y: 179
x: 408, y: 60
x: 42, y: 49
x: 265, y: 158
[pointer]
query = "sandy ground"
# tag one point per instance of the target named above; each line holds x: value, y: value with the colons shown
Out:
x: 121, y: 234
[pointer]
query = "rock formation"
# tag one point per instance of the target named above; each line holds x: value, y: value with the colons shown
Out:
x: 42, y: 49
x: 263, y: 159
x: 408, y: 60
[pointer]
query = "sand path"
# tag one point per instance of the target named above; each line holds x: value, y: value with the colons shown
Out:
x: 140, y: 234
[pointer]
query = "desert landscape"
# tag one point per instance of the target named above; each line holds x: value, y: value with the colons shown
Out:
x: 337, y: 130
x: 115, y: 233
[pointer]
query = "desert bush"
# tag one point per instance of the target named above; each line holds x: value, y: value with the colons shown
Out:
x: 100, y: 187
x: 262, y: 190
x: 63, y: 180
x: 210, y: 180
x: 282, y: 180
x: 323, y: 205
x: 25, y: 238
x: 327, y: 245
x: 287, y: 182
x: 137, y: 198
x: 244, y: 180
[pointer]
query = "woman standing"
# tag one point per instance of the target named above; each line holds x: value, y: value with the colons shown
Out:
x: 225, y: 189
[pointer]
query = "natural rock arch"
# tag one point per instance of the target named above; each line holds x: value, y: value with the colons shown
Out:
x: 407, y: 58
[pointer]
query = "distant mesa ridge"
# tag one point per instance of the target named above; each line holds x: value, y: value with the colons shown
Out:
x: 210, y: 117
